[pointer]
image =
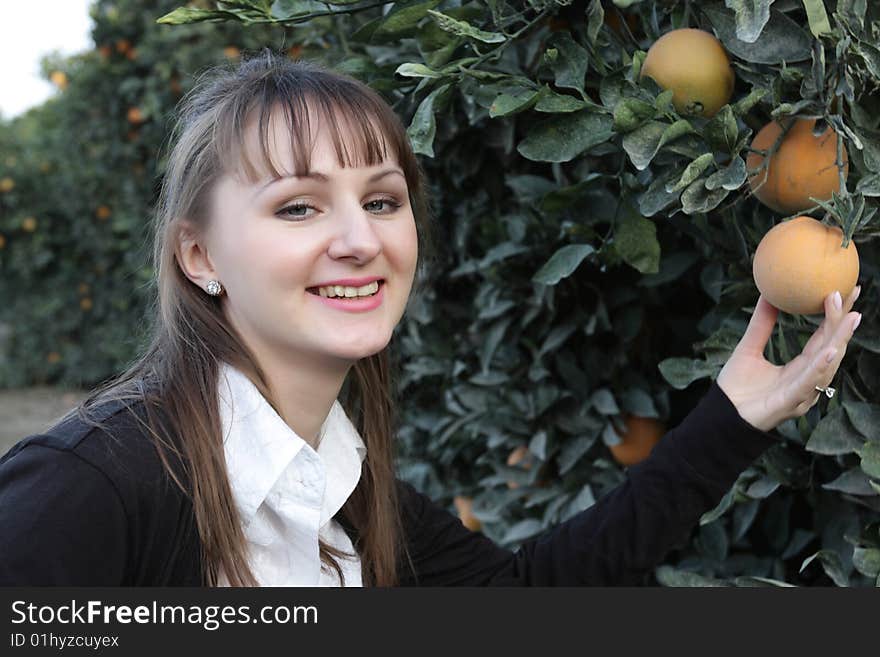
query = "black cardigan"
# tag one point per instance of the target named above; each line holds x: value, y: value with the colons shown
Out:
x: 80, y: 508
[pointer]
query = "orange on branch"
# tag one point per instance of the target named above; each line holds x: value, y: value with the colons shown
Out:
x: 29, y: 224
x: 135, y: 115
x: 7, y: 184
x: 59, y: 79
x: 800, y: 262
x: 103, y: 212
x: 638, y: 439
x: 464, y: 506
x: 803, y: 167
x: 694, y: 65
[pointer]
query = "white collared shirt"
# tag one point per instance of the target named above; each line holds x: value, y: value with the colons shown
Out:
x: 287, y: 493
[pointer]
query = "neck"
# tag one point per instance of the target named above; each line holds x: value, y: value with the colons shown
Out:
x: 304, y: 391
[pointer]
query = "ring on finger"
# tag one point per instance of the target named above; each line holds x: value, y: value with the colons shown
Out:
x: 829, y: 391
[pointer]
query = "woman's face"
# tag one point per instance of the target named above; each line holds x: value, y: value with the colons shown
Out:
x: 292, y: 252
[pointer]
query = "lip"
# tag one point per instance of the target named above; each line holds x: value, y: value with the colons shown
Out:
x: 354, y: 305
x: 350, y: 282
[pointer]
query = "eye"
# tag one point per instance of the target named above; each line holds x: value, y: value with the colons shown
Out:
x: 292, y: 211
x: 390, y: 204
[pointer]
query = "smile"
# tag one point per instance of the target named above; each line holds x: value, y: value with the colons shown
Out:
x: 351, y: 299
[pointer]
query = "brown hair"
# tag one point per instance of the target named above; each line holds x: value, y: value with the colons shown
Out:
x: 176, y: 376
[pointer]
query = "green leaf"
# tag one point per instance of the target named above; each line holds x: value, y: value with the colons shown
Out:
x: 722, y: 132
x: 514, y: 102
x: 416, y: 71
x: 423, y: 127
x: 643, y: 143
x: 630, y: 113
x: 833, y: 435
x: 669, y: 576
x: 564, y: 137
x: 751, y: 17
x: 870, y: 453
x: 656, y: 198
x: 867, y: 560
x: 781, y: 40
x: 730, y: 177
x: 832, y: 565
x: 681, y: 372
x: 184, y: 15
x: 570, y: 66
x: 865, y: 417
x: 817, y: 17
x: 720, y: 509
x: 852, y: 482
x: 692, y: 171
x: 635, y: 240
x: 697, y: 198
x: 465, y: 29
x: 562, y: 264
x: 404, y: 16
x: 554, y: 103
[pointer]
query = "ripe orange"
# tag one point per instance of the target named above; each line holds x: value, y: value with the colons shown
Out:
x: 29, y: 224
x: 800, y: 262
x: 464, y: 506
x: 53, y: 357
x: 103, y: 212
x: 520, y: 455
x: 122, y: 46
x: 804, y: 166
x: 695, y: 66
x: 85, y: 303
x: 59, y: 79
x: 294, y: 51
x: 134, y: 115
x: 638, y: 439
x: 231, y: 52
x: 7, y: 185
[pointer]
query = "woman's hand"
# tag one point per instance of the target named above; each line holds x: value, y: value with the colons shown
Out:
x: 764, y: 394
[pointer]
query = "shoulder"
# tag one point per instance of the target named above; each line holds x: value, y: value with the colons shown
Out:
x: 120, y: 454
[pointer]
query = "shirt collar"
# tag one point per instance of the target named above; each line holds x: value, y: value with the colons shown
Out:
x: 259, y: 446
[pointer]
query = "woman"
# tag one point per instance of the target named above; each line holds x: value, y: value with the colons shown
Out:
x: 251, y: 444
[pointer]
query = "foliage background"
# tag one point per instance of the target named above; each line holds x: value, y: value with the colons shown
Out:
x: 570, y: 286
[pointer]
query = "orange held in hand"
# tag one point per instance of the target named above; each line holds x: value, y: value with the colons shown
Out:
x: 693, y: 64
x: 800, y: 262
x: 639, y: 438
x: 803, y: 167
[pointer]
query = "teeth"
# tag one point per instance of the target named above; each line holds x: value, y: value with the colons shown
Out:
x: 346, y: 291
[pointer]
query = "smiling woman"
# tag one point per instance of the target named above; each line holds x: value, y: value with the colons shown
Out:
x: 253, y: 441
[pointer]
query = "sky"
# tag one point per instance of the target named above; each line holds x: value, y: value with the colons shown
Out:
x: 29, y: 30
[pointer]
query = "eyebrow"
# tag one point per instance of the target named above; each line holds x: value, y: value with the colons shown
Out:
x: 324, y: 178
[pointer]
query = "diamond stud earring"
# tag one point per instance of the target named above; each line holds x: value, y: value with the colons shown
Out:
x: 214, y: 288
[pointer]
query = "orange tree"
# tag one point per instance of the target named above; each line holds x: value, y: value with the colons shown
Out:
x: 597, y: 239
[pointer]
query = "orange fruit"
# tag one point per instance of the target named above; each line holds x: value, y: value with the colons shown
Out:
x: 232, y: 52
x: 799, y: 262
x: 7, y: 185
x: 85, y: 303
x: 638, y: 439
x: 53, y: 357
x: 122, y: 46
x: 134, y: 115
x: 694, y: 65
x: 520, y: 455
x: 59, y: 79
x: 132, y: 54
x: 803, y: 166
x: 105, y: 51
x: 294, y: 51
x: 29, y: 224
x: 103, y: 212
x: 2, y: 241
x: 464, y: 506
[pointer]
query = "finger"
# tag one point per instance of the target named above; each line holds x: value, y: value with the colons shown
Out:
x: 833, y: 317
x: 824, y: 365
x: 760, y: 327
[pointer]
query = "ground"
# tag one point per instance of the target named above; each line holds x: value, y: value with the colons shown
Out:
x: 26, y: 411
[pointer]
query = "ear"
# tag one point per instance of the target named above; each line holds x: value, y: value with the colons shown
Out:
x: 193, y: 257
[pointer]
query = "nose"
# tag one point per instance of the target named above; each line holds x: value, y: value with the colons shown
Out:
x: 355, y: 237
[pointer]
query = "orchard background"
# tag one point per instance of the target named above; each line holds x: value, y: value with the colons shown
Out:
x: 594, y: 245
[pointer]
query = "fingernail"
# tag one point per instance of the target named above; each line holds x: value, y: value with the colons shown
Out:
x: 838, y: 302
x: 857, y: 322
x: 858, y: 292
